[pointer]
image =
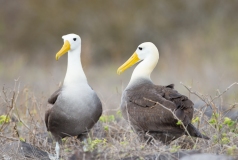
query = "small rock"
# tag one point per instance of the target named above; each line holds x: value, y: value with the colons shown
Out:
x: 20, y: 150
x: 206, y: 156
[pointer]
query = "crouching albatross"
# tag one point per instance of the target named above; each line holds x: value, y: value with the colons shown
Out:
x: 76, y: 107
x: 154, y: 109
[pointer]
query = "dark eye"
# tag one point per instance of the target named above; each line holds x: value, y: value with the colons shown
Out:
x: 75, y: 39
x: 140, y: 48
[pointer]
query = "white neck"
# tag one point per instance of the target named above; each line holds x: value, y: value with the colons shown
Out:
x: 144, y: 68
x: 74, y: 73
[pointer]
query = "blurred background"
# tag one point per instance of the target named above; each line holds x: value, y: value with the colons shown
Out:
x: 197, y: 41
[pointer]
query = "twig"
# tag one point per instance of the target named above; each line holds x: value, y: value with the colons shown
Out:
x: 212, y: 99
x: 216, y: 110
x: 210, y: 102
x: 9, y: 112
x: 232, y: 106
x: 10, y: 138
x: 229, y: 87
x: 193, y: 92
x: 18, y: 116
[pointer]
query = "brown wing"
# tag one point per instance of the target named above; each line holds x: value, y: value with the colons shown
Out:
x: 51, y: 100
x: 47, y: 114
x: 52, y: 121
x: 145, y: 114
x: 54, y: 96
x: 140, y: 107
x: 184, y: 110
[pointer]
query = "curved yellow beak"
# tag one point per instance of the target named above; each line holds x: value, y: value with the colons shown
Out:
x: 63, y: 50
x: 130, y: 62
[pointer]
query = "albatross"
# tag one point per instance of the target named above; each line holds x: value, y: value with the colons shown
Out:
x: 151, y: 109
x: 76, y: 107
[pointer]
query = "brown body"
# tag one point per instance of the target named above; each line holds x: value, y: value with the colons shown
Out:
x: 141, y: 107
x: 71, y: 119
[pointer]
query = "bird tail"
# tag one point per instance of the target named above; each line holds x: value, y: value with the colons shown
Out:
x: 195, y: 132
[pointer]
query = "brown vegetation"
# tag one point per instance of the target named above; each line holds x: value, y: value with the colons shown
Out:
x: 112, y: 137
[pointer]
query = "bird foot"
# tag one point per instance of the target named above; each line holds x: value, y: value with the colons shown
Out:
x: 57, y: 150
x: 53, y: 157
x: 86, y: 145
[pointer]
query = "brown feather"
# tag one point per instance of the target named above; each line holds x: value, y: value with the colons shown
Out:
x: 54, y: 96
x: 139, y: 107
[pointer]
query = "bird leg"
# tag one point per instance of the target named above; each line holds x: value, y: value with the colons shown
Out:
x: 83, y: 138
x: 85, y: 146
x: 57, y: 150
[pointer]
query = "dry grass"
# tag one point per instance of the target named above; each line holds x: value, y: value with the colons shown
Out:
x: 112, y: 137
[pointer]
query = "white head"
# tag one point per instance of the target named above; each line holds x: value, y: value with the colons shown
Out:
x: 71, y: 42
x: 146, y: 51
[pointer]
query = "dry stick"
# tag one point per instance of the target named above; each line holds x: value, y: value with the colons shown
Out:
x: 173, y: 115
x: 13, y: 104
x: 217, y: 120
x: 18, y: 116
x: 117, y: 128
x: 229, y: 87
x: 15, y: 100
x: 9, y: 105
x: 232, y: 106
x: 193, y: 92
x: 201, y: 110
x: 202, y: 115
x: 221, y: 98
x: 39, y: 110
x: 5, y: 95
x: 9, y: 112
x: 199, y: 96
x: 213, y: 106
x: 212, y: 99
x: 204, y: 100
x: 10, y: 138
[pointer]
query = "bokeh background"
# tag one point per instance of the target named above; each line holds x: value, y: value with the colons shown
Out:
x: 197, y: 41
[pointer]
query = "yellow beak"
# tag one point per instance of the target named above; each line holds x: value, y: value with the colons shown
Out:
x: 63, y: 50
x: 130, y: 62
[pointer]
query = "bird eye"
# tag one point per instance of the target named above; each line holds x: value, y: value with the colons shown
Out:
x: 140, y: 48
x: 75, y: 39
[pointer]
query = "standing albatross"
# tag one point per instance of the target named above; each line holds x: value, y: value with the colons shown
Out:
x: 76, y: 107
x: 143, y: 102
